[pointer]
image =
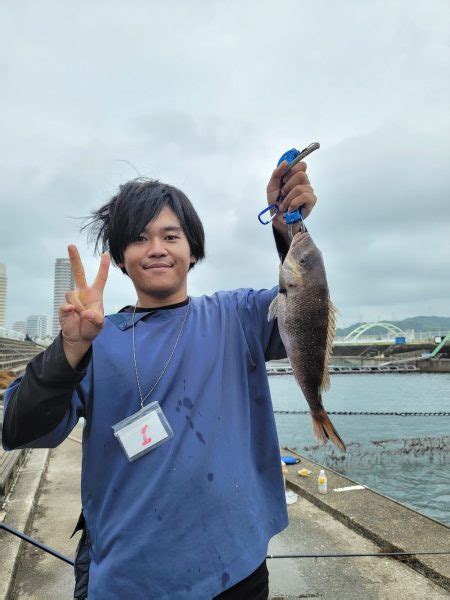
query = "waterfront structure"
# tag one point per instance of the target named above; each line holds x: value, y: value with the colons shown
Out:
x: 3, y: 288
x: 37, y: 326
x: 392, y: 335
x: 392, y: 329
x: 63, y: 283
x: 9, y: 334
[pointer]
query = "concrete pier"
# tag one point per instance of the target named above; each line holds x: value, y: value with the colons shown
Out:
x: 45, y: 501
x: 393, y: 526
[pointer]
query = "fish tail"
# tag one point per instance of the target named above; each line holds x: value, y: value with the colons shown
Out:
x: 324, y: 429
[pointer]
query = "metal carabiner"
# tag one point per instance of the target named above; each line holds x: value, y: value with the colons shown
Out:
x: 277, y: 210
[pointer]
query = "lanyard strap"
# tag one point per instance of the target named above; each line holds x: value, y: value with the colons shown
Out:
x: 167, y: 363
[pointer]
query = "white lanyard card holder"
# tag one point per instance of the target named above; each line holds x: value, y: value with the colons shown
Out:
x: 141, y: 432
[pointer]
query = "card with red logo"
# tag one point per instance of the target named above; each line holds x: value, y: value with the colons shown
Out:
x: 143, y: 431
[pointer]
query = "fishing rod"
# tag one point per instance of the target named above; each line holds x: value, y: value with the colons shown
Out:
x: 68, y: 560
x: 346, y: 555
x: 350, y: 413
x: 34, y: 542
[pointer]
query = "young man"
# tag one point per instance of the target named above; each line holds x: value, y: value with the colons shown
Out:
x: 179, y: 503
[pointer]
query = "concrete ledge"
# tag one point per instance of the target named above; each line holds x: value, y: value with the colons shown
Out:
x: 391, y: 525
x: 17, y: 510
x: 433, y: 365
x: 10, y: 463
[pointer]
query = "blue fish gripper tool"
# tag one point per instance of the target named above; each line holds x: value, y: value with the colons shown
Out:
x: 296, y: 216
x: 292, y: 156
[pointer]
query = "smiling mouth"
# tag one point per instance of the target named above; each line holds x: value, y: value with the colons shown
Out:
x: 158, y: 267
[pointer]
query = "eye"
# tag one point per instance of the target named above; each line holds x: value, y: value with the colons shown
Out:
x: 173, y: 237
x: 139, y: 237
x: 303, y: 260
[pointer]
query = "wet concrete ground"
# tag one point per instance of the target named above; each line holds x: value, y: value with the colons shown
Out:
x: 310, y: 531
x: 43, y: 577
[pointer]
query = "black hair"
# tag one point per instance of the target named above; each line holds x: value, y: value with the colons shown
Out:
x: 119, y: 222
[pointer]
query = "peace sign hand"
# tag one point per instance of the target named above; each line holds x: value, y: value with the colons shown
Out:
x: 82, y: 318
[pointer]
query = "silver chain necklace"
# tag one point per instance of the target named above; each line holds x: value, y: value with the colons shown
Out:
x: 167, y: 363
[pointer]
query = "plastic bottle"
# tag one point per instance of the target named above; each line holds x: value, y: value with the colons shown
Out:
x: 291, y: 496
x: 284, y: 470
x: 322, y: 481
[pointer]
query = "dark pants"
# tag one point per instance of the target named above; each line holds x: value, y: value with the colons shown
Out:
x: 253, y: 587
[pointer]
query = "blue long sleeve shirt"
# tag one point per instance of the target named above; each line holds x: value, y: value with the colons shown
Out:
x: 193, y: 516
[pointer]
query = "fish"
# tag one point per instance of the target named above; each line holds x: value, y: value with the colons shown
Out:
x: 307, y: 324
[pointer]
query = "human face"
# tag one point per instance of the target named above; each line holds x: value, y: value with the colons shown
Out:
x: 158, y: 261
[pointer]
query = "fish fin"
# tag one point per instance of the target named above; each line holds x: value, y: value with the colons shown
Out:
x: 325, y: 383
x: 273, y: 309
x: 324, y: 429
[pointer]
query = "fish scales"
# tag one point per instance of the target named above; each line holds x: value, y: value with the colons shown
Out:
x: 306, y: 334
x: 306, y: 322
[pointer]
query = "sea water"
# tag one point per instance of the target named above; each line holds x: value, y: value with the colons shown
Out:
x: 405, y: 458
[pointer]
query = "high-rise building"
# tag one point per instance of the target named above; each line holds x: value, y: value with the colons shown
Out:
x: 37, y: 326
x: 20, y: 326
x: 63, y: 283
x: 3, y: 286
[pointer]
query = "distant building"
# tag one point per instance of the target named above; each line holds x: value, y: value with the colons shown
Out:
x: 37, y: 326
x: 3, y: 287
x: 20, y: 326
x: 63, y: 283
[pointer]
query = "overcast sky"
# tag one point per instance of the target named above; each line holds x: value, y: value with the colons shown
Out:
x: 207, y: 96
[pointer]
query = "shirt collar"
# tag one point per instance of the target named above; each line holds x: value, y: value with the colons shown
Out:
x: 124, y: 320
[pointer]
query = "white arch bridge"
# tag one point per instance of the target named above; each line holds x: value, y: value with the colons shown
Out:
x: 356, y: 333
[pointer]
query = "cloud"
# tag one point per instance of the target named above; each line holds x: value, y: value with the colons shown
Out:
x: 208, y: 99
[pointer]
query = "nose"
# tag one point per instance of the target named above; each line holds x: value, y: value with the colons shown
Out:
x: 156, y: 248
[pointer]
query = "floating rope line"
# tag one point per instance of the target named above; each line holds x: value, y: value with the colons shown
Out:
x: 347, y: 413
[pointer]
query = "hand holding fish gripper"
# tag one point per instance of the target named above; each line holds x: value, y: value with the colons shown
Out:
x: 292, y: 157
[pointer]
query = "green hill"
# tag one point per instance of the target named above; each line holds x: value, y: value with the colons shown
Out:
x: 416, y: 323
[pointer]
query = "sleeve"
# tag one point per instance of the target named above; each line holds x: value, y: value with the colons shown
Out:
x: 253, y: 307
x: 281, y: 244
x: 43, y: 406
